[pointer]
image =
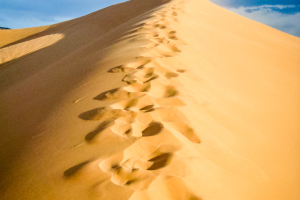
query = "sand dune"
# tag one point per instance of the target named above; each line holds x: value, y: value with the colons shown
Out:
x: 150, y: 100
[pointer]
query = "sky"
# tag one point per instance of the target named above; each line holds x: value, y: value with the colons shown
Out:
x: 283, y: 15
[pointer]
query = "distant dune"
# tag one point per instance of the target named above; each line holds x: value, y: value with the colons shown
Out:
x: 150, y: 100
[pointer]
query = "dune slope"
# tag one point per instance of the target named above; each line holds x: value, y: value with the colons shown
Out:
x: 150, y: 100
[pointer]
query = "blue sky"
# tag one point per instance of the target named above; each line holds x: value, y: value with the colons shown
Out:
x: 29, y: 13
x: 280, y: 14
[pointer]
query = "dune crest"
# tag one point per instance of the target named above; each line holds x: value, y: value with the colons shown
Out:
x: 147, y: 102
x: 150, y: 100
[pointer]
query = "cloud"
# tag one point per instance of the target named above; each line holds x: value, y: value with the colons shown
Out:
x: 272, y: 16
x: 249, y: 3
x: 286, y: 9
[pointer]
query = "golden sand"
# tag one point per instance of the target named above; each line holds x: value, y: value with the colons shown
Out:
x: 150, y: 100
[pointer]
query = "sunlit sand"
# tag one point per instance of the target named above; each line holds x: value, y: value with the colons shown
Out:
x: 150, y: 100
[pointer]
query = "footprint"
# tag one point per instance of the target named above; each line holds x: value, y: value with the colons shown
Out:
x: 162, y: 26
x: 148, y: 79
x: 129, y: 78
x: 126, y: 104
x: 160, y: 40
x: 117, y: 93
x: 133, y: 178
x: 172, y: 35
x: 152, y: 35
x: 141, y: 150
x: 159, y: 90
x: 150, y: 45
x: 137, y: 87
x: 120, y: 69
x: 158, y: 25
x: 146, y: 72
x: 104, y: 113
x: 136, y: 163
x: 144, y: 103
x: 172, y: 47
x: 144, y: 118
x: 121, y: 128
x: 111, y: 165
x: 164, y: 72
x: 169, y: 75
x: 137, y: 128
x: 138, y: 62
x: 186, y: 131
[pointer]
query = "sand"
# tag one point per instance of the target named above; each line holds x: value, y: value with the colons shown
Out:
x: 150, y: 100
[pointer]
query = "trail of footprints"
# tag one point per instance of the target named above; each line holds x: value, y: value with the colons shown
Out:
x: 148, y: 103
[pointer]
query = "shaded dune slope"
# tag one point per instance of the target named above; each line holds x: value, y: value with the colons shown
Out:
x: 150, y: 100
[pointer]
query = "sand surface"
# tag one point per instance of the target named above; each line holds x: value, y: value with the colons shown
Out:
x: 150, y: 100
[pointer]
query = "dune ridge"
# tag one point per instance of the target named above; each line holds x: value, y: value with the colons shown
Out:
x: 148, y: 102
x: 146, y: 109
x: 151, y: 100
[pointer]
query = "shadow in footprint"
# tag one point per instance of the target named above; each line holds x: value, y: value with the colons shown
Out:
x: 130, y: 182
x: 171, y: 75
x: 147, y: 108
x: 187, y: 132
x: 154, y: 128
x: 150, y: 110
x: 170, y: 92
x: 104, y: 125
x: 151, y: 79
x: 103, y: 95
x: 103, y: 113
x: 181, y: 70
x: 120, y: 69
x: 129, y: 78
x: 160, y: 161
x: 89, y: 114
x: 173, y: 37
x: 163, y: 27
x: 116, y: 94
x: 73, y: 170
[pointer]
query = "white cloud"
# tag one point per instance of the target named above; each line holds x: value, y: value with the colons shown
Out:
x: 265, y: 14
x: 270, y: 6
